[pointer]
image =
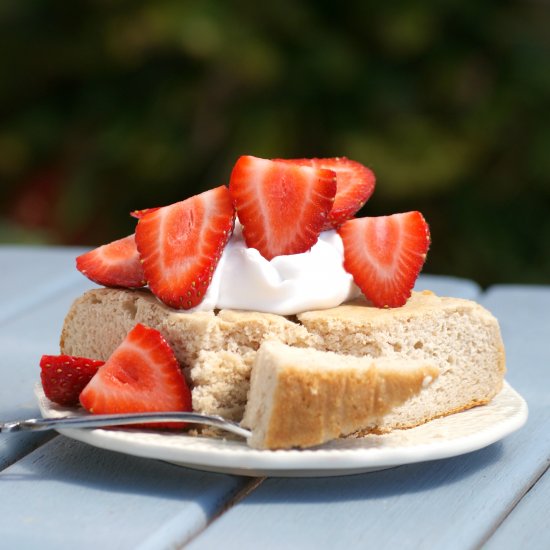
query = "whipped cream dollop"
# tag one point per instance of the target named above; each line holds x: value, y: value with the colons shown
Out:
x: 285, y: 285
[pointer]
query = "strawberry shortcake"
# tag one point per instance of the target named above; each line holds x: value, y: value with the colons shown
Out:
x: 278, y: 255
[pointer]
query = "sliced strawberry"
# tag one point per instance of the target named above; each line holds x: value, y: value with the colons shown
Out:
x: 282, y: 206
x: 385, y: 255
x: 181, y: 244
x: 141, y: 375
x: 65, y: 376
x: 140, y: 213
x: 115, y: 264
x: 354, y: 186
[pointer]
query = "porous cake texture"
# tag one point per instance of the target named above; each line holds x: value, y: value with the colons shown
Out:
x: 217, y: 348
x: 301, y: 397
x: 461, y: 337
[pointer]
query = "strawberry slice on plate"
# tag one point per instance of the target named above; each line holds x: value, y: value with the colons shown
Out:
x: 354, y: 186
x: 181, y: 244
x: 115, y: 264
x: 281, y: 206
x: 65, y: 376
x: 141, y: 375
x: 385, y: 255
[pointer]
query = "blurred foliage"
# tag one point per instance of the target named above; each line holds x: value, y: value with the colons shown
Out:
x: 108, y: 106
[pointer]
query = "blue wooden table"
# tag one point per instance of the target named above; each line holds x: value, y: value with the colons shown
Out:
x: 58, y: 493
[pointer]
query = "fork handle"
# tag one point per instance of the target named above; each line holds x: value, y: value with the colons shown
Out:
x: 106, y: 420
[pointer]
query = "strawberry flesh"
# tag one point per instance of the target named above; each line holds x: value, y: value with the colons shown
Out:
x: 354, y: 186
x: 115, y: 264
x: 385, y: 255
x: 65, y: 376
x: 141, y: 375
x: 281, y: 206
x: 181, y: 244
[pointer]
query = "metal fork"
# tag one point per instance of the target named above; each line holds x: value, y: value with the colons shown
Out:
x: 107, y: 420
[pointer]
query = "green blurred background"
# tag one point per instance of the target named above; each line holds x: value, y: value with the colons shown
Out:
x: 109, y: 106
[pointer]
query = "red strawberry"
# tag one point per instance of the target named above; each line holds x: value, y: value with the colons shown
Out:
x: 140, y: 213
x: 282, y: 206
x: 114, y: 264
x: 141, y: 375
x: 354, y: 186
x: 181, y: 244
x: 385, y: 255
x: 65, y: 376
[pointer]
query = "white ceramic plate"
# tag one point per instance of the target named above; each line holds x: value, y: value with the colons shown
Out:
x: 442, y: 438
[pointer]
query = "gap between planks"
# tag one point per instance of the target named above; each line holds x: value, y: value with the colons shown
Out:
x: 39, y: 441
x: 533, y: 481
x: 241, y: 494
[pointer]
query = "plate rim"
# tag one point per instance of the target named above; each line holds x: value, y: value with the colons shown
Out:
x: 235, y: 457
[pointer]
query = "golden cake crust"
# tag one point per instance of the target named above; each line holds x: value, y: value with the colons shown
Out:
x: 300, y: 397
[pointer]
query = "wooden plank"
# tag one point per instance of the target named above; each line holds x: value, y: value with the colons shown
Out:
x: 29, y: 274
x: 69, y: 495
x: 524, y: 314
x: 24, y: 338
x: 419, y: 506
x: 527, y: 525
x: 454, y: 503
